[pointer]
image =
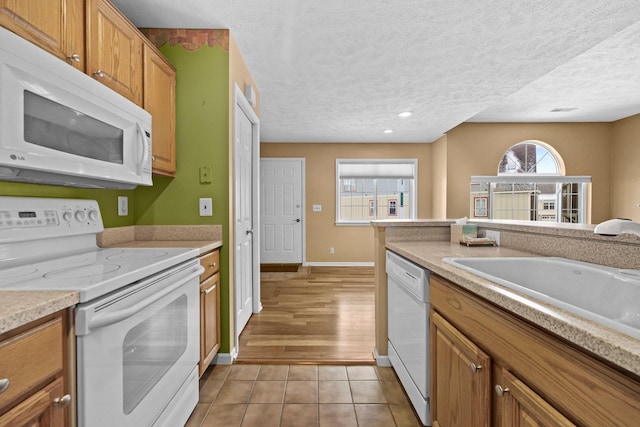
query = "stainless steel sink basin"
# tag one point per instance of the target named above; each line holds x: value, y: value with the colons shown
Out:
x: 608, y: 296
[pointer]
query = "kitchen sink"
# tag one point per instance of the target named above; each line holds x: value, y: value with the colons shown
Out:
x: 605, y: 295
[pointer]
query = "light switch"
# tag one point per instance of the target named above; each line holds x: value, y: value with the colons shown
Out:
x: 317, y: 208
x: 123, y: 206
x: 206, y: 206
x: 205, y: 175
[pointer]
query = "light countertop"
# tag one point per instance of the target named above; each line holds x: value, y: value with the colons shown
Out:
x: 18, y: 308
x: 608, y: 344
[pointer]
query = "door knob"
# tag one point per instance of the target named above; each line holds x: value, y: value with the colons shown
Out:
x: 249, y: 232
x: 297, y: 220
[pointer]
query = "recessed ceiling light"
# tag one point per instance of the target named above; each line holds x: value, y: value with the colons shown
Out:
x: 563, y: 109
x: 405, y: 114
x: 388, y: 131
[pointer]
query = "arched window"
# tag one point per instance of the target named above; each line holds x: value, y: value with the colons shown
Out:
x: 531, y: 157
x: 531, y: 185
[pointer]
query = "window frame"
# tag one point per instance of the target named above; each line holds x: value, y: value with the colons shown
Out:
x: 378, y: 164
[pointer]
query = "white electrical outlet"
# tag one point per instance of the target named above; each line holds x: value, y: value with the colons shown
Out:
x: 206, y: 206
x: 332, y: 251
x: 495, y: 235
x: 317, y: 208
x: 123, y: 206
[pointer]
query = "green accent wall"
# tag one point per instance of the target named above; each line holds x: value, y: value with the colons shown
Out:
x: 202, y: 139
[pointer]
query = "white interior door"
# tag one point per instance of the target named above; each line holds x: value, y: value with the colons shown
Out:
x: 246, y: 243
x: 281, y: 212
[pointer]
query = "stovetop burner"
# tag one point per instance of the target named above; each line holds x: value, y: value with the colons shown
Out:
x: 14, y: 273
x: 85, y: 271
x: 136, y: 255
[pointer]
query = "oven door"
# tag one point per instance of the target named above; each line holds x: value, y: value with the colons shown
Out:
x: 136, y: 348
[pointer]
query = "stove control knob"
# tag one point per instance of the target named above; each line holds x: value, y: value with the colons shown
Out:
x: 93, y: 215
x: 67, y: 216
x: 80, y: 216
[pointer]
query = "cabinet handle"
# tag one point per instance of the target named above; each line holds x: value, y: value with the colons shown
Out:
x: 153, y: 158
x: 62, y: 402
x: 212, y: 265
x: 209, y: 290
x: 4, y: 384
x: 501, y: 391
x: 474, y: 367
x: 99, y: 73
x: 74, y: 58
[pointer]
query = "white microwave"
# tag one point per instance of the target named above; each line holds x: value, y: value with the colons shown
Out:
x: 59, y: 126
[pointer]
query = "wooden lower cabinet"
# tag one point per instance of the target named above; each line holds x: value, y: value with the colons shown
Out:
x: 491, y: 368
x: 209, y: 309
x: 34, y: 386
x: 462, y: 381
x: 39, y: 410
x: 522, y: 407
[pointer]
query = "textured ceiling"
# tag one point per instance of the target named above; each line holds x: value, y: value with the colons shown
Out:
x: 342, y: 70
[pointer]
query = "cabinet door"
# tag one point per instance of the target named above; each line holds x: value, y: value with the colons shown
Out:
x: 461, y: 378
x: 209, y: 323
x: 39, y: 410
x: 57, y: 26
x: 114, y: 50
x: 160, y: 101
x: 524, y: 408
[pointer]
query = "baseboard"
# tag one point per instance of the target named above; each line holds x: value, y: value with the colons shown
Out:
x: 339, y: 264
x: 380, y: 359
x: 224, y: 358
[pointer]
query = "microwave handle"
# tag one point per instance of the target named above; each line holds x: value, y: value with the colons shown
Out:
x: 145, y: 148
x: 106, y: 318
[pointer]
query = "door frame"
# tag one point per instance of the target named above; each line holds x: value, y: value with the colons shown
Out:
x: 241, y: 104
x: 303, y: 211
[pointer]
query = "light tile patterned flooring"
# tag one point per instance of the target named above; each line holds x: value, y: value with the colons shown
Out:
x: 302, y: 395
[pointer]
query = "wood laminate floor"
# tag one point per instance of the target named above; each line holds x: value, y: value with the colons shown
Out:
x: 320, y: 316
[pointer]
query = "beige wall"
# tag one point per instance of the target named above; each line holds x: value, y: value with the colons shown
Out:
x: 351, y: 243
x: 625, y: 174
x: 476, y: 149
x: 439, y: 178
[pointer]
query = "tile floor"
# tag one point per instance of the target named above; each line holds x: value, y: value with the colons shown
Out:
x: 302, y: 395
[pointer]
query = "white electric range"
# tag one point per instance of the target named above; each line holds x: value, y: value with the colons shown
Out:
x: 137, y: 324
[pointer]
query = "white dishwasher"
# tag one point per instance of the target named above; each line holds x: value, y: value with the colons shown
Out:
x: 408, y: 314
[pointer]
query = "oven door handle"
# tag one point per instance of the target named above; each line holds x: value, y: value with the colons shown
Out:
x: 105, y: 319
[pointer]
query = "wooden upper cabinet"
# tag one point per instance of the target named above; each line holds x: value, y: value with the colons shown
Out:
x: 160, y: 101
x: 56, y: 26
x: 114, y: 50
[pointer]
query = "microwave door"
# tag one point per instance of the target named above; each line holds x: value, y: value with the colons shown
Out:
x: 57, y: 127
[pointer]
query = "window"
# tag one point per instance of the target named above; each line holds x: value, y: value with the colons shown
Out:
x: 392, y: 207
x: 375, y: 189
x: 531, y: 186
